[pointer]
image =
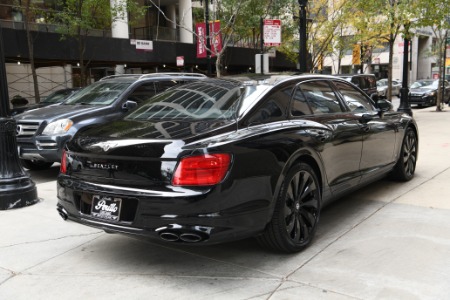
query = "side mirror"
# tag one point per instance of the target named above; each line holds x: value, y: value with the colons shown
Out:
x: 384, y: 105
x: 129, y: 105
x: 375, y: 97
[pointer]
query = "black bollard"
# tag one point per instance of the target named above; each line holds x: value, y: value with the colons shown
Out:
x: 16, y: 187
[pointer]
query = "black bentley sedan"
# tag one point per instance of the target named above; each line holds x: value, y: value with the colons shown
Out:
x: 225, y: 159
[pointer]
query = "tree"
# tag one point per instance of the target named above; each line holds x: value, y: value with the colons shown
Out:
x: 326, y: 22
x: 29, y: 12
x: 242, y: 21
x: 78, y: 18
x: 382, y: 21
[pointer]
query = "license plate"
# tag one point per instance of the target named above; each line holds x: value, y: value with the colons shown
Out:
x: 106, y: 207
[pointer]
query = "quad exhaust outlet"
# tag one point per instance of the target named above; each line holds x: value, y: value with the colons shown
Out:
x: 184, y: 234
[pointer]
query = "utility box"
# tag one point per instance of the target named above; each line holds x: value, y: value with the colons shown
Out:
x: 262, y: 59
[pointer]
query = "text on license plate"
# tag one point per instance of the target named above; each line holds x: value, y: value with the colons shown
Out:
x: 106, y: 207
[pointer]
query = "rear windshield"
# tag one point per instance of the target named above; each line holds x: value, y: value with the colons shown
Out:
x: 99, y: 93
x: 195, y: 101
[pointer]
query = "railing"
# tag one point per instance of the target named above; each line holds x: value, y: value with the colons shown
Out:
x: 156, y: 33
x: 44, y: 27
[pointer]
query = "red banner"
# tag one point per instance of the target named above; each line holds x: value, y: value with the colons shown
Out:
x: 200, y: 30
x: 215, y: 39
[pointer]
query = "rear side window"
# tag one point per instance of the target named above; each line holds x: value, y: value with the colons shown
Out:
x: 274, y: 107
x: 355, y: 100
x: 300, y: 106
x: 321, y: 97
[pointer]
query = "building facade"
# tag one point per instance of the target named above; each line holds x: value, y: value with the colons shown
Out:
x: 167, y: 28
x: 421, y: 63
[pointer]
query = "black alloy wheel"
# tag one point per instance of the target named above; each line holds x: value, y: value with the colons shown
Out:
x: 297, y: 212
x: 406, y: 164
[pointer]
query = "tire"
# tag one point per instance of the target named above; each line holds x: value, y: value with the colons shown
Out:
x: 406, y: 164
x: 35, y: 165
x: 296, y: 212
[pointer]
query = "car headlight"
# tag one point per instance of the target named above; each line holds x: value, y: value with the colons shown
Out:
x: 429, y: 94
x: 58, y: 127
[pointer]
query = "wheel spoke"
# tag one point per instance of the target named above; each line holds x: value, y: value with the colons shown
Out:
x: 305, y: 231
x: 308, y: 217
x: 297, y: 230
x: 290, y: 192
x: 290, y: 223
x: 295, y: 182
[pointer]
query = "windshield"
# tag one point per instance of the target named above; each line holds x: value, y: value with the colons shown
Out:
x: 99, y: 93
x: 424, y: 83
x: 57, y: 96
x: 195, y: 101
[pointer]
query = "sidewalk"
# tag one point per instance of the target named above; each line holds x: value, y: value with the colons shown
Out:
x: 388, y: 241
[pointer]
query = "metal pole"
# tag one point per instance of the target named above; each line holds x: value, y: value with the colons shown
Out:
x: 443, y: 72
x: 16, y: 187
x: 404, y: 91
x: 208, y: 39
x: 302, y: 57
x: 261, y: 25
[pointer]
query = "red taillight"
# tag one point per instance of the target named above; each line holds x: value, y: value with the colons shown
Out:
x: 63, y: 167
x: 208, y: 169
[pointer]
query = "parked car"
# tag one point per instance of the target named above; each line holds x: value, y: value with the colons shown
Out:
x: 366, y: 82
x: 42, y: 133
x: 55, y: 97
x: 424, y: 92
x: 382, y: 87
x: 224, y: 159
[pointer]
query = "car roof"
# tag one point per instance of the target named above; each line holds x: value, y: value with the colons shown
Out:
x: 355, y: 75
x: 274, y: 79
x: 150, y: 76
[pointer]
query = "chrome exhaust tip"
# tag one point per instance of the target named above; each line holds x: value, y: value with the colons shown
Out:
x: 190, y: 237
x: 62, y: 212
x: 169, y: 236
x: 184, y: 233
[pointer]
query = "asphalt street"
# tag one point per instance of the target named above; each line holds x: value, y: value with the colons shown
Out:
x: 390, y: 240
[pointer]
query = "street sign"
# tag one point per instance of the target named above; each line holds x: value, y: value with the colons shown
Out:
x: 144, y: 45
x: 272, y: 32
x: 180, y: 61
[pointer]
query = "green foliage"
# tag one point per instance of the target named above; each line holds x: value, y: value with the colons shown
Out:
x: 246, y: 17
x: 79, y: 17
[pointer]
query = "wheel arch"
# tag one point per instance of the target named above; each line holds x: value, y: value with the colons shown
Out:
x: 303, y: 156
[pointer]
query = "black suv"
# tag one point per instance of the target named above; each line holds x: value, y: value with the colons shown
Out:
x: 366, y: 82
x: 42, y: 133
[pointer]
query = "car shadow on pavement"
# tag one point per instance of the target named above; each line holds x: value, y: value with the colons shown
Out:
x: 41, y: 176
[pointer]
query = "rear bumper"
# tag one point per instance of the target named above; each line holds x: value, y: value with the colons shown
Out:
x: 208, y: 215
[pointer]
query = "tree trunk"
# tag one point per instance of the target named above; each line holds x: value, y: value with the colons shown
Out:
x: 37, y: 98
x: 391, y: 57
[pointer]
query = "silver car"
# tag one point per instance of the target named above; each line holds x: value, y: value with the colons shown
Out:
x: 382, y: 86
